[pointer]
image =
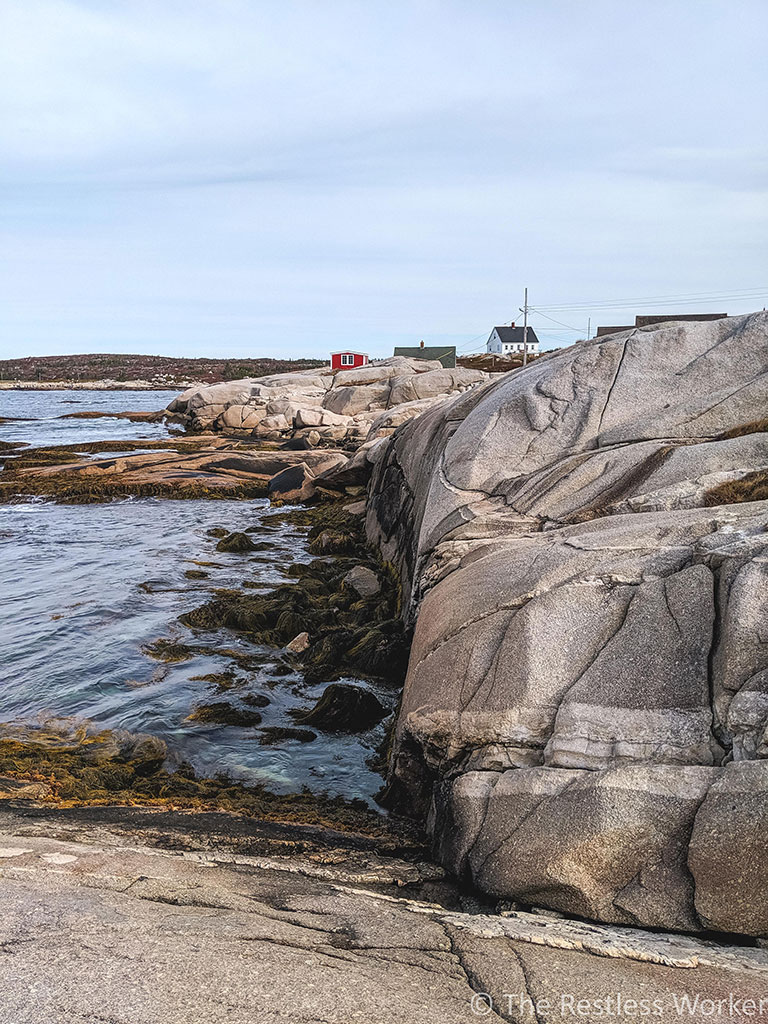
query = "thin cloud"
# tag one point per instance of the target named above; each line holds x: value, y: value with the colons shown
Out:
x: 291, y: 176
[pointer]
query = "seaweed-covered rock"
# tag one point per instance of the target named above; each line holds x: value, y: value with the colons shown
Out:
x: 349, y: 633
x: 238, y: 543
x: 222, y: 713
x: 278, y: 734
x: 344, y: 707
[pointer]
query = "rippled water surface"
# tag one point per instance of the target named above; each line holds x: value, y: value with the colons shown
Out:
x: 39, y: 417
x: 84, y: 588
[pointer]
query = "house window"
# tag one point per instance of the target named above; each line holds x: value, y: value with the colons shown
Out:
x: 347, y: 359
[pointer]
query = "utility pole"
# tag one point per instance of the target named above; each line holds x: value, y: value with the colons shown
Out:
x: 525, y: 328
x: 589, y: 328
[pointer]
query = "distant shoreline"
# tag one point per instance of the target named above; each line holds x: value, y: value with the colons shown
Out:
x: 93, y: 385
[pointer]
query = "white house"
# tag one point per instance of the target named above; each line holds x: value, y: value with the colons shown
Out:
x: 507, y: 341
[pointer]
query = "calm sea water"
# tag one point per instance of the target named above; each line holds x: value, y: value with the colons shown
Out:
x: 35, y: 417
x: 86, y: 587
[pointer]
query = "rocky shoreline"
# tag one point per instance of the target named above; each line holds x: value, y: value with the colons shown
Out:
x: 93, y: 385
x: 338, y: 617
x: 577, y: 548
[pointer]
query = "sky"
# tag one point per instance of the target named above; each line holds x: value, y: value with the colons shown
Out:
x: 289, y: 177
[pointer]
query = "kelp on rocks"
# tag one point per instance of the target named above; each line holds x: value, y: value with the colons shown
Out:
x: 347, y: 633
x: 74, y: 763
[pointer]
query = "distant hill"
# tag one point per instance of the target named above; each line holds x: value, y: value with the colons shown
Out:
x: 162, y: 369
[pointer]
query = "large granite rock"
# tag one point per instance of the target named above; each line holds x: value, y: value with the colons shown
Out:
x: 341, y: 404
x: 588, y: 683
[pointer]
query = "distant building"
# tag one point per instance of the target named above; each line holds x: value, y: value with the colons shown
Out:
x: 505, y: 341
x: 348, y: 360
x: 662, y: 318
x: 445, y: 354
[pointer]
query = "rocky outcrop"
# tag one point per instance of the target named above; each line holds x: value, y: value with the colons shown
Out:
x: 187, y: 468
x: 338, y: 405
x: 586, y: 708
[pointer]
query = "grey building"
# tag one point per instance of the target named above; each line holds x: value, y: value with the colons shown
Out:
x: 445, y: 354
x: 660, y: 318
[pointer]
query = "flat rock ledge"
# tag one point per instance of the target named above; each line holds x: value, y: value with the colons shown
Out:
x: 102, y: 924
x: 185, y: 467
x: 584, y: 552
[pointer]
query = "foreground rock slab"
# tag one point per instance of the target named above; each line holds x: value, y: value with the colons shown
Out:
x: 100, y: 922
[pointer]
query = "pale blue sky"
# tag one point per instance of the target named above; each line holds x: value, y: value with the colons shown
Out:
x: 284, y: 177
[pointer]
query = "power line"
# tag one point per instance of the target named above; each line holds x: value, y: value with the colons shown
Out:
x: 683, y: 299
x: 538, y: 311
x: 686, y: 298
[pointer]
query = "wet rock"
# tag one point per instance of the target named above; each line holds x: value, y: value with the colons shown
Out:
x: 349, y: 634
x: 272, y: 735
x: 363, y: 581
x: 295, y: 484
x: 255, y: 700
x: 221, y: 713
x: 217, y: 531
x: 331, y: 542
x: 214, y: 469
x: 299, y: 644
x: 238, y: 543
x: 196, y: 574
x: 344, y: 707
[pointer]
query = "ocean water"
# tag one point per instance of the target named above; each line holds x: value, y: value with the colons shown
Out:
x: 36, y: 417
x: 85, y: 588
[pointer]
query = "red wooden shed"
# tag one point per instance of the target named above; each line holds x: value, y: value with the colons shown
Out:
x: 348, y: 360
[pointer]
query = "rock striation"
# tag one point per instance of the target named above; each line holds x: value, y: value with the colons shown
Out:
x: 585, y: 716
x: 357, y: 404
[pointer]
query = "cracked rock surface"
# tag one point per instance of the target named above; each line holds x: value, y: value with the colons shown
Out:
x: 130, y: 922
x: 585, y: 718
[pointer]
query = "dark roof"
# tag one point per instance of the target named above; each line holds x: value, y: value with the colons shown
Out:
x: 515, y: 335
x: 660, y: 318
x: 445, y: 354
x: 649, y: 321
x: 613, y: 330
